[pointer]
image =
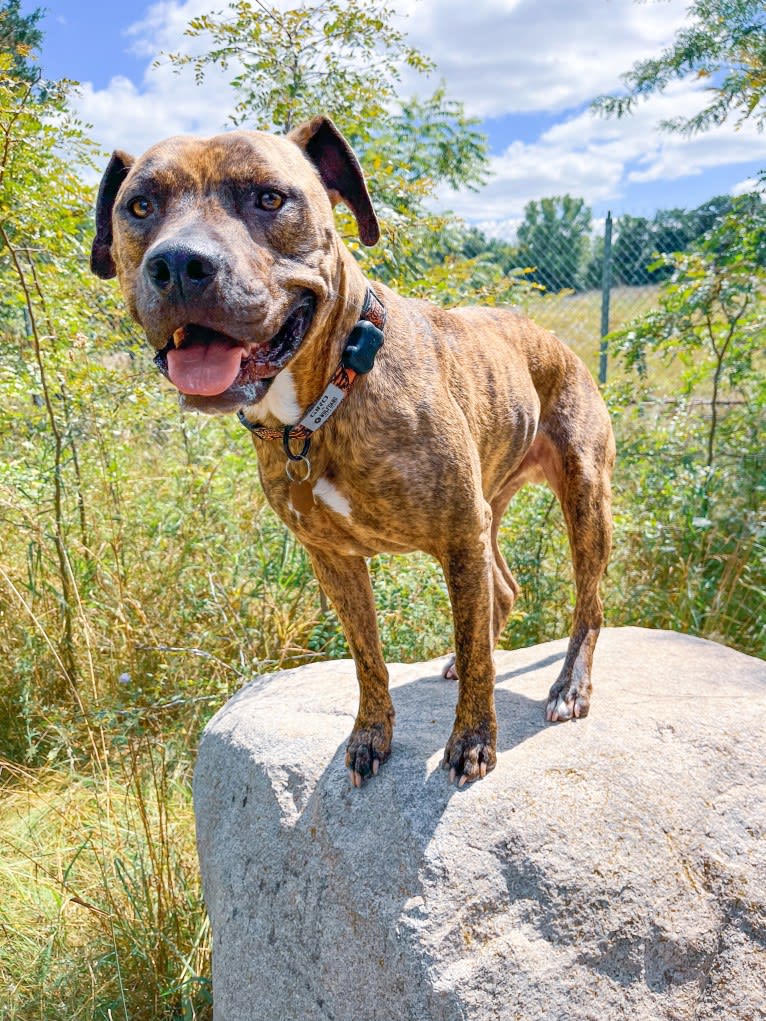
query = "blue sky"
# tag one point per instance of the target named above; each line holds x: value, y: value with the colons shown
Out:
x: 527, y: 68
x: 85, y: 41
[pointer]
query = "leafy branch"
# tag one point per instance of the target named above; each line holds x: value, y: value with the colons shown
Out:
x: 725, y: 46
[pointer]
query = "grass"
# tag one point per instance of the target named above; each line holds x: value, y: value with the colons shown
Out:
x: 575, y: 318
x: 101, y: 913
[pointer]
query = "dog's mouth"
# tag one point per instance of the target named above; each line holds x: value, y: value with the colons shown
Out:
x: 204, y: 362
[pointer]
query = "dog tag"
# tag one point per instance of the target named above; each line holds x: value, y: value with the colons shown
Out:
x: 302, y: 496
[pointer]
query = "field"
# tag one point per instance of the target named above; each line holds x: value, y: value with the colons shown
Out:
x: 576, y: 319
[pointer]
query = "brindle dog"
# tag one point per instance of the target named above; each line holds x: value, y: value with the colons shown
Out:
x: 227, y: 254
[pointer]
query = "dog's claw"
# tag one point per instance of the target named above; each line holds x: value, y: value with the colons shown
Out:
x: 566, y: 705
x: 449, y: 672
x: 469, y: 755
x: 366, y: 751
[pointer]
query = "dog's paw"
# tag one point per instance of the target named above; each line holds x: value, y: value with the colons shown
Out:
x: 470, y: 754
x: 449, y: 671
x: 567, y: 702
x: 367, y: 750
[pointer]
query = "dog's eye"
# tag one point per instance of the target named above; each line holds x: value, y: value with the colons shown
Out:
x: 270, y: 201
x: 141, y: 207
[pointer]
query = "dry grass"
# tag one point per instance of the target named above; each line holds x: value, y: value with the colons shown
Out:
x: 101, y: 911
x: 576, y: 318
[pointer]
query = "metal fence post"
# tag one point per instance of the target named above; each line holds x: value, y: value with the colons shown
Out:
x: 606, y: 284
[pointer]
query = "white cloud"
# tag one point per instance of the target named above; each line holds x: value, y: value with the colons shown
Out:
x: 163, y: 27
x: 521, y: 56
x: 746, y: 186
x: 505, y: 229
x: 128, y: 116
x: 595, y: 158
x: 499, y: 56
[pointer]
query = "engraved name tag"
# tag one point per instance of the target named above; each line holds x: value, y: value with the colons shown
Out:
x: 321, y: 410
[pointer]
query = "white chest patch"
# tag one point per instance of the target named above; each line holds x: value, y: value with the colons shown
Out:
x: 280, y: 400
x: 332, y: 497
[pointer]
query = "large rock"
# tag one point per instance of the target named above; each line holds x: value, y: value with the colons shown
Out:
x: 609, y: 868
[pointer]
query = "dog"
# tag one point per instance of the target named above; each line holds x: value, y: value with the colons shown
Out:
x: 381, y: 423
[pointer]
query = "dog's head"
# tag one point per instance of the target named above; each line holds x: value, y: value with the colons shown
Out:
x: 225, y: 248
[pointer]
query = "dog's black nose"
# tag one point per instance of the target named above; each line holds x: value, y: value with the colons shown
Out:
x: 181, y: 268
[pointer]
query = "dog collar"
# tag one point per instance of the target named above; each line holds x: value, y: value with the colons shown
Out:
x: 358, y: 358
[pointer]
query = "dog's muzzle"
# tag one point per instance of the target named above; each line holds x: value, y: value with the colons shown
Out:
x: 205, y: 363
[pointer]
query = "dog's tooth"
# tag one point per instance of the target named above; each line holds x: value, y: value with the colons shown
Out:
x: 179, y: 336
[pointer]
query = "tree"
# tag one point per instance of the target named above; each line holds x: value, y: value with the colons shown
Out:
x: 19, y: 38
x: 705, y: 217
x: 553, y: 239
x: 633, y: 251
x: 345, y: 58
x: 725, y: 44
x: 342, y: 58
x: 639, y: 241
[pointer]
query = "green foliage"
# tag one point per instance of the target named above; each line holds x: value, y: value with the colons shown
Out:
x: 70, y: 624
x: 698, y: 476
x: 454, y: 267
x: 19, y: 38
x: 553, y: 239
x: 44, y: 227
x: 341, y: 58
x: 640, y: 240
x: 556, y: 242
x: 711, y: 314
x: 690, y: 539
x: 101, y: 910
x: 725, y: 45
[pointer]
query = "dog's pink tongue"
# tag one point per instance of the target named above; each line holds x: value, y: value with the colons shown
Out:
x: 205, y: 369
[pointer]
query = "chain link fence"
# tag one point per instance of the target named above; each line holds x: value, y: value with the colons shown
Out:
x: 593, y: 283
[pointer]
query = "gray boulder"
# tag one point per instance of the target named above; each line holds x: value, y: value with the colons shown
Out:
x: 612, y: 867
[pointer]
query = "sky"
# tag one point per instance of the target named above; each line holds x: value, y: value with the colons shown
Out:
x: 527, y: 68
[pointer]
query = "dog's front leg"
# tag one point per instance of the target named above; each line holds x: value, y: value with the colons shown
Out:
x: 471, y: 750
x: 346, y: 583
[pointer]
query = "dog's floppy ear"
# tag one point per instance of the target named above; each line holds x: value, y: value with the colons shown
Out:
x: 339, y: 169
x: 101, y: 261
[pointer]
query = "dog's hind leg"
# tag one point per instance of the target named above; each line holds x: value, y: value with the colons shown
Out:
x: 506, y: 589
x: 346, y: 582
x: 583, y: 487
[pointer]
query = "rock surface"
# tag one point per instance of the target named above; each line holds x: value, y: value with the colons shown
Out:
x: 610, y: 868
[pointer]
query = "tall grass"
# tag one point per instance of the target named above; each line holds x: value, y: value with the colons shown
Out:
x: 101, y: 914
